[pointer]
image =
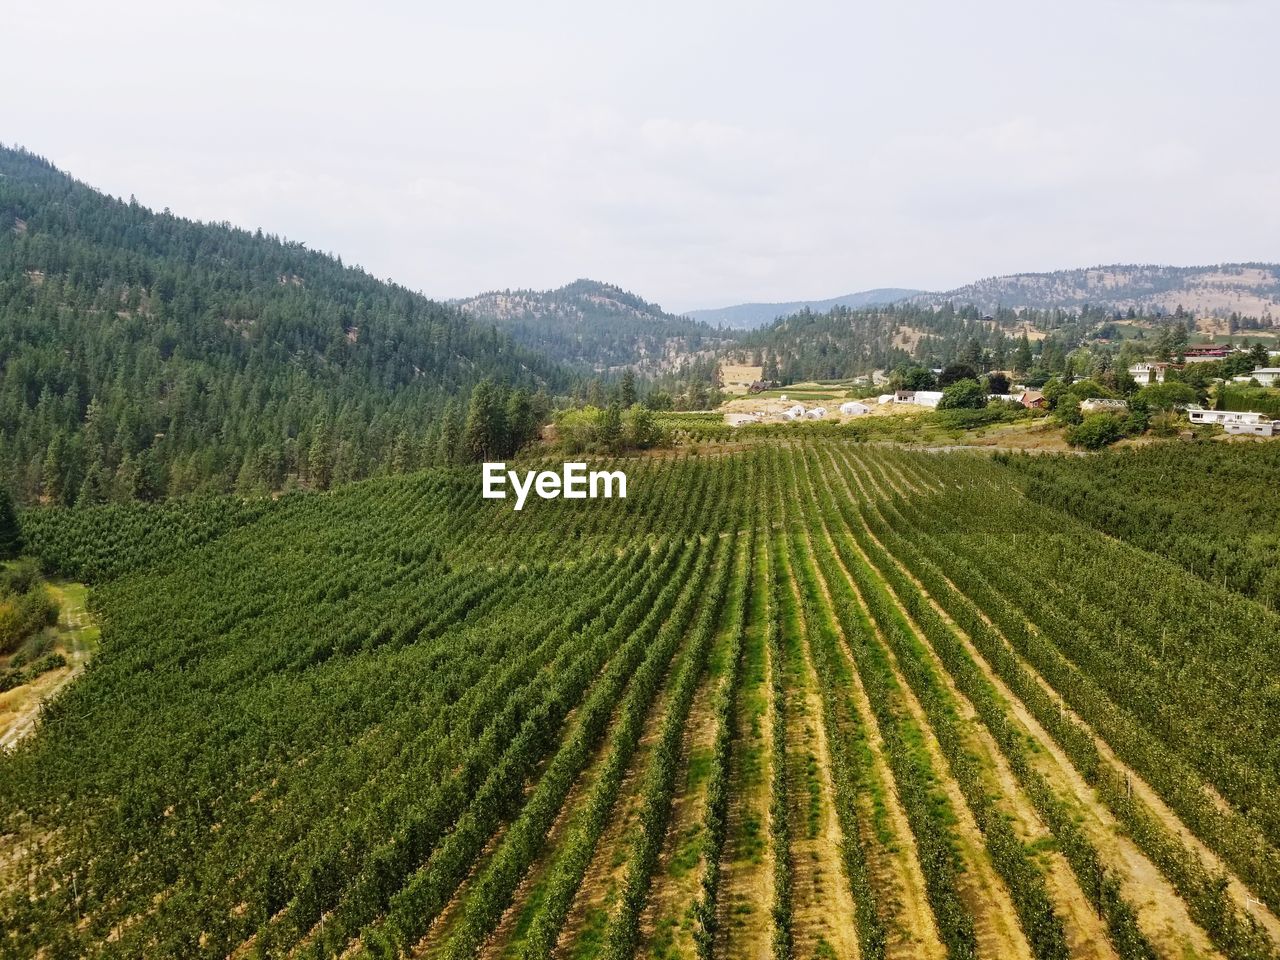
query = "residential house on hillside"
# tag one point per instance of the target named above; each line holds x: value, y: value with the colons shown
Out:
x: 1206, y: 352
x: 1146, y: 374
x: 1224, y: 417
x: 1033, y: 400
x: 1267, y: 376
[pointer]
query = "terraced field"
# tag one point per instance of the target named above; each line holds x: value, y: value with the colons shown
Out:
x: 798, y: 700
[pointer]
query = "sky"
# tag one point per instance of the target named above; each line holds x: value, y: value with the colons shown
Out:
x: 698, y: 154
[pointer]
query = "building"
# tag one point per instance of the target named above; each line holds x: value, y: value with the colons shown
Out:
x: 1148, y: 373
x: 885, y: 398
x: 1207, y: 352
x: 1033, y: 400
x: 1224, y: 417
x: 854, y: 408
x: 926, y: 398
x: 760, y: 386
x: 1103, y: 405
x: 1263, y: 428
x: 1267, y: 376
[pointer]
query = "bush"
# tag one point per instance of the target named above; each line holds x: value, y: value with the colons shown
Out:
x: 966, y: 394
x: 1096, y: 431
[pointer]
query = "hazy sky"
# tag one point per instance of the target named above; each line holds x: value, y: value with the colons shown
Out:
x: 697, y: 153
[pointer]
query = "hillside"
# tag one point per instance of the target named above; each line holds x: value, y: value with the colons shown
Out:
x: 748, y: 316
x: 1247, y: 289
x: 597, y: 327
x: 859, y: 701
x: 143, y: 354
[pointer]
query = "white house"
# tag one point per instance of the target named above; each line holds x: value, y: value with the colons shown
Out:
x: 817, y: 413
x: 1103, y: 405
x: 1267, y: 376
x: 1224, y: 417
x: 1264, y: 428
x: 1148, y: 373
x: 854, y: 408
x: 926, y: 398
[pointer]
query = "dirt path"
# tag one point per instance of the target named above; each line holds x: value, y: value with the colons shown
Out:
x: 746, y: 882
x: 823, y: 909
x: 76, y: 639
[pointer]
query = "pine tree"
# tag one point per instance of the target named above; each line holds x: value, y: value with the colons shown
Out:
x: 627, y: 390
x: 10, y: 535
x: 486, y: 423
x: 611, y: 428
x: 449, y: 453
x: 1022, y: 358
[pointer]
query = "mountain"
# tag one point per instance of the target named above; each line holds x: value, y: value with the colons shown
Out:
x: 748, y: 316
x: 143, y: 354
x: 597, y: 327
x: 1246, y: 289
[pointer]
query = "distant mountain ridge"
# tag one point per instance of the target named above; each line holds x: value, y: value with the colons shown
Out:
x: 748, y: 316
x: 1218, y: 290
x: 596, y: 326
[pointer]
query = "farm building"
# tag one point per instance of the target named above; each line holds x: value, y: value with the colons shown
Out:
x: 927, y: 398
x: 817, y: 413
x: 854, y: 408
x: 1263, y: 428
x: 1224, y: 417
x: 885, y: 398
x: 1103, y: 405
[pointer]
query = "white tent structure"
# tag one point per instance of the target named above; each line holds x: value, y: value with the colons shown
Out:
x: 927, y: 398
x: 817, y: 413
x: 885, y: 398
x: 854, y: 408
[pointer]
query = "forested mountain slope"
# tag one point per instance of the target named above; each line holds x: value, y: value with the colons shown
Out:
x: 1247, y: 289
x: 748, y: 316
x: 143, y: 354
x: 598, y: 327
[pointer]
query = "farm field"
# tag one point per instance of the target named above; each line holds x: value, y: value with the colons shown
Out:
x: 801, y: 699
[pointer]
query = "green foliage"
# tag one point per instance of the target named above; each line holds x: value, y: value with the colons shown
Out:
x: 1095, y: 431
x: 964, y: 394
x: 10, y: 535
x: 1258, y: 399
x: 1168, y: 395
x: 1144, y: 496
x: 26, y: 606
